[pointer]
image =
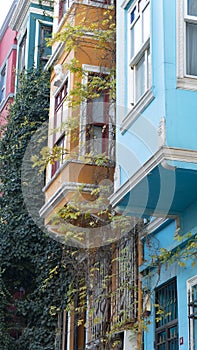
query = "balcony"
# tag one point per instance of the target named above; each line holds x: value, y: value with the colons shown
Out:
x: 72, y: 178
x: 164, y: 186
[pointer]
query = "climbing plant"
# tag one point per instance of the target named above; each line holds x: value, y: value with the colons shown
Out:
x: 28, y: 256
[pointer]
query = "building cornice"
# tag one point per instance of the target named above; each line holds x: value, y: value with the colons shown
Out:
x: 59, y: 50
x: 6, y: 22
x: 61, y: 193
x: 161, y: 157
x: 21, y: 11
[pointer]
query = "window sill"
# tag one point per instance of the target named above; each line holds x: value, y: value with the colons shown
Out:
x: 140, y: 106
x: 187, y: 83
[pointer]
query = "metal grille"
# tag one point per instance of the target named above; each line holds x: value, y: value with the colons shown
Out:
x: 166, y: 317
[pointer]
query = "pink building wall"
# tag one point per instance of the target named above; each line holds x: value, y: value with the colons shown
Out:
x: 8, y: 54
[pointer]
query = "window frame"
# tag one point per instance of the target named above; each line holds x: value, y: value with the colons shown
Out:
x: 92, y: 125
x: 135, y: 57
x: 84, y: 122
x: 171, y: 323
x: 190, y: 284
x: 184, y: 80
x: 59, y: 137
x: 42, y: 42
x: 3, y: 74
x: 22, y: 52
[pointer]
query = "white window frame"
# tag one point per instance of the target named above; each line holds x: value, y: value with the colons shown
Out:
x: 191, y: 283
x: 141, y: 51
x: 136, y: 107
x: 83, y: 109
x: 39, y: 25
x: 3, y: 73
x: 184, y: 81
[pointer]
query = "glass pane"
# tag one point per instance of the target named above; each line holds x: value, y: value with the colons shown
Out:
x: 191, y: 49
x: 96, y: 135
x: 192, y: 7
x: 149, y: 79
x: 173, y: 338
x: 161, y: 340
x: 98, y: 109
x: 146, y: 23
x: 133, y: 15
x: 140, y: 78
x: 136, y: 37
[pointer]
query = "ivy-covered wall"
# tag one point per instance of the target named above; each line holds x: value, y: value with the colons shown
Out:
x: 33, y: 281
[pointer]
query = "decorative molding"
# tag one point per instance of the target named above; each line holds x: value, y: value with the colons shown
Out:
x: 125, y: 3
x: 138, y: 109
x: 6, y: 22
x: 153, y: 226
x: 61, y: 193
x: 59, y: 50
x: 186, y: 83
x: 4, y: 102
x: 162, y: 132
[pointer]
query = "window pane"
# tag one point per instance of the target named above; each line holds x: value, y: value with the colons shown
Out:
x: 133, y: 15
x: 96, y: 139
x: 136, y: 37
x: 98, y: 109
x: 191, y: 49
x: 149, y: 79
x: 161, y: 340
x: 45, y: 51
x: 192, y: 7
x: 140, y: 78
x: 173, y: 338
x: 2, y: 85
x: 146, y: 23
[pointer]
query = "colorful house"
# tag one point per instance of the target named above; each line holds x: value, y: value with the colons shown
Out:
x: 33, y: 22
x: 81, y: 132
x: 8, y: 49
x: 157, y: 156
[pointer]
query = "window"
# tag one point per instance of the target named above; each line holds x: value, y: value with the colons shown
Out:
x: 60, y: 116
x: 22, y: 50
x: 97, y: 128
x: 45, y: 51
x: 2, y: 84
x: 192, y: 313
x: 139, y: 54
x: 186, y: 44
x: 60, y: 112
x: 166, y: 318
x: 64, y: 5
x: 191, y: 37
x: 126, y: 296
x: 60, y: 151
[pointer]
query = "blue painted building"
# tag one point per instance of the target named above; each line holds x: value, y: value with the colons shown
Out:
x: 33, y: 21
x: 157, y: 156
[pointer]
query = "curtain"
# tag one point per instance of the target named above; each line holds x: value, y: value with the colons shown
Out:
x: 191, y: 49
